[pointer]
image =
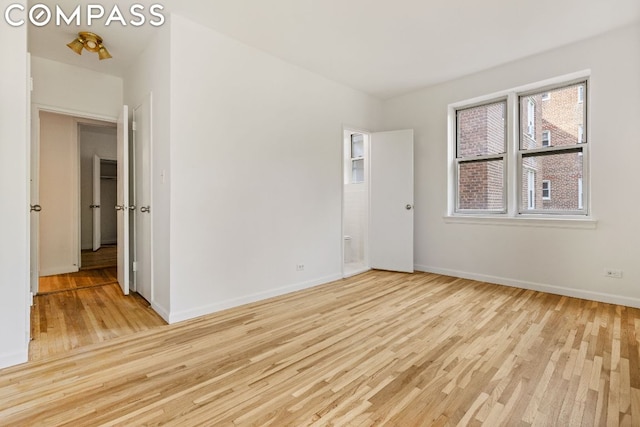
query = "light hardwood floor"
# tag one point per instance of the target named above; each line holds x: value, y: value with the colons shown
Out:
x: 65, y: 320
x: 376, y: 349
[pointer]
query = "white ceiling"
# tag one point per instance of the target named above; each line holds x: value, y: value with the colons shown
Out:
x: 381, y: 47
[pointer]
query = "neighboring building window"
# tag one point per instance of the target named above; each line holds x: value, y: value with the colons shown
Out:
x: 531, y: 118
x: 546, y: 138
x: 480, y: 158
x: 580, y: 134
x: 531, y: 190
x: 546, y: 189
x: 481, y: 148
x: 563, y: 161
x: 580, y: 94
x: 580, y: 197
x: 357, y: 158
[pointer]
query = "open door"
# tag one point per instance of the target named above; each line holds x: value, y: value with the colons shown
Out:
x: 122, y: 205
x: 391, y: 232
x: 35, y: 205
x: 142, y: 198
x: 95, y: 206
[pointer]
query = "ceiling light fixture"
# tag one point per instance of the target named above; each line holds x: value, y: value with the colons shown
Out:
x: 90, y: 41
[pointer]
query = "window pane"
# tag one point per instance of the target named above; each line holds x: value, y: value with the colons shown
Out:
x: 481, y: 130
x: 552, y: 182
x: 357, y: 146
x: 561, y: 114
x: 480, y: 185
x: 357, y: 171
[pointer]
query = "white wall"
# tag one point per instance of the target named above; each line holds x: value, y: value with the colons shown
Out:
x: 256, y: 164
x: 75, y: 90
x: 14, y: 257
x: 150, y: 74
x: 568, y: 261
x: 58, y: 249
x: 101, y: 141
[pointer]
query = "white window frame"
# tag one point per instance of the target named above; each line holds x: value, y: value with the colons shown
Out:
x: 487, y: 158
x: 548, y: 139
x: 548, y: 189
x: 513, y: 184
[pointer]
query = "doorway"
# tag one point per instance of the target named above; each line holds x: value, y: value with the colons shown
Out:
x: 355, y: 202
x: 63, y: 182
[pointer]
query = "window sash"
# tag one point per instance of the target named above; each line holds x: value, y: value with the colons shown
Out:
x: 545, y: 152
x: 482, y: 159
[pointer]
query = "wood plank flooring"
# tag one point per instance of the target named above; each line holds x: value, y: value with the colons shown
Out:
x: 106, y: 256
x: 65, y: 320
x: 376, y: 349
x: 77, y: 280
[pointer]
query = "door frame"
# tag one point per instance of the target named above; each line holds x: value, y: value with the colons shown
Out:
x: 367, y: 161
x: 34, y: 170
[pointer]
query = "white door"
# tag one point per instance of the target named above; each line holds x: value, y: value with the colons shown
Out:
x: 142, y: 200
x: 35, y: 206
x: 122, y: 205
x: 95, y: 206
x: 391, y: 188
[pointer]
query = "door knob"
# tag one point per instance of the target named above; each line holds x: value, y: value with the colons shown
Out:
x: 409, y: 207
x: 132, y: 207
x: 94, y: 206
x: 119, y: 207
x: 36, y: 208
x: 145, y: 209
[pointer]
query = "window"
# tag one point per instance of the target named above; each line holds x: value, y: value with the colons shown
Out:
x: 357, y: 158
x: 580, y: 203
x: 501, y: 173
x: 546, y: 190
x: 531, y: 189
x: 580, y: 94
x: 480, y: 157
x: 580, y: 133
x: 563, y: 162
x: 531, y: 118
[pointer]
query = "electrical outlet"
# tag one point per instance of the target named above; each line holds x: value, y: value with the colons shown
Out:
x: 299, y: 267
x: 613, y: 273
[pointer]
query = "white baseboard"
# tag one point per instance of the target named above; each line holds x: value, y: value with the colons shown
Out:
x: 541, y: 287
x: 12, y: 359
x: 235, y: 302
x: 162, y: 312
x: 59, y: 270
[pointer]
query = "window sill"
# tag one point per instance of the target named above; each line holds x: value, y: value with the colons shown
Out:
x: 575, y: 222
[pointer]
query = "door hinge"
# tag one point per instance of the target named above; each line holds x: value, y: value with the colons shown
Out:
x: 31, y: 83
x: 133, y: 126
x: 135, y: 266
